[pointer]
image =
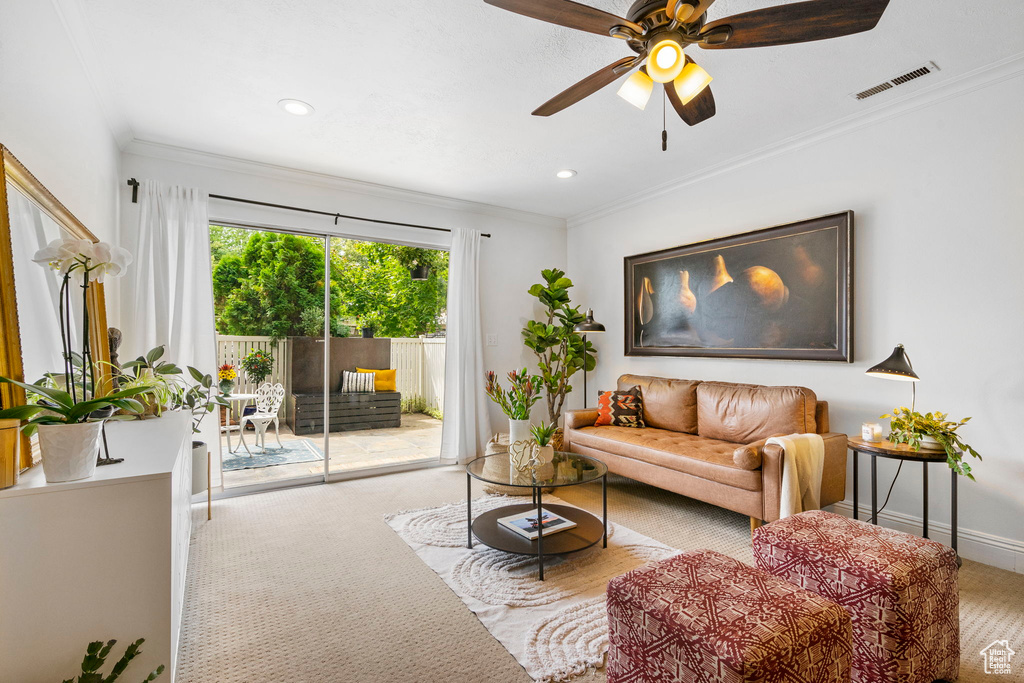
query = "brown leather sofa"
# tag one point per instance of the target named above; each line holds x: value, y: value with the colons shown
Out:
x: 706, y: 440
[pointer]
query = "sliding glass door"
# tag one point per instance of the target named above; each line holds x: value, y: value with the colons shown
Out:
x: 351, y: 374
x: 269, y: 304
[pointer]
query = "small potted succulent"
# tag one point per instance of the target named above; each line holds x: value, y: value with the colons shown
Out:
x: 932, y: 431
x: 542, y: 434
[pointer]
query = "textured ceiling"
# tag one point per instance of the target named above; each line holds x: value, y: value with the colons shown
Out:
x: 436, y: 96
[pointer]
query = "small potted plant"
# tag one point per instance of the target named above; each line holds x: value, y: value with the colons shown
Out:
x: 226, y: 376
x: 159, y: 375
x: 258, y: 365
x: 542, y: 434
x: 932, y: 431
x: 200, y: 399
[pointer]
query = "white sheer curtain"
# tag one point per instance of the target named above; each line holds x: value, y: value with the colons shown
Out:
x: 167, y: 295
x: 466, y: 423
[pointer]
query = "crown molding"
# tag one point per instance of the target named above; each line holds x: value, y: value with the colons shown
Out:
x: 983, y: 77
x: 76, y: 25
x: 184, y: 155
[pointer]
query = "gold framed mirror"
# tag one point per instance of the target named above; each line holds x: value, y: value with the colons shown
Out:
x: 31, y: 217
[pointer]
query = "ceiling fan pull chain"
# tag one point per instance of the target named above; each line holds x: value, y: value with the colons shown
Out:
x: 664, y: 122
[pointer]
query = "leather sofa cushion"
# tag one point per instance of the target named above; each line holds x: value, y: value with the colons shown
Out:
x: 693, y: 455
x: 668, y: 403
x: 743, y: 413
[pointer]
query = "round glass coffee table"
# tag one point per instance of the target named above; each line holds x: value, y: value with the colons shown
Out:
x: 566, y: 469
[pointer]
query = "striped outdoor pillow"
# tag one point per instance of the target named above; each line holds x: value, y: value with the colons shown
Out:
x: 357, y: 381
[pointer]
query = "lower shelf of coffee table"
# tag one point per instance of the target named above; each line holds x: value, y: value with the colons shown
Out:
x: 587, y: 532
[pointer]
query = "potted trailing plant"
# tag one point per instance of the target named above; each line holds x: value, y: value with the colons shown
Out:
x: 932, y: 431
x: 258, y: 365
x: 560, y: 351
x: 67, y: 418
x: 148, y: 370
x: 226, y: 376
x: 96, y: 655
x: 200, y: 399
x: 522, y: 394
x: 542, y: 434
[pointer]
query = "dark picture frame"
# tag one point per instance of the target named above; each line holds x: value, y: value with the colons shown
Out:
x: 784, y: 292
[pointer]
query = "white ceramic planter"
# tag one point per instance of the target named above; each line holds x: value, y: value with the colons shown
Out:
x: 199, y: 474
x: 930, y: 444
x: 545, y: 454
x: 69, y: 451
x: 520, y: 444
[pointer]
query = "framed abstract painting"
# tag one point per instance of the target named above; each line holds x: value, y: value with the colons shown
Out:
x: 783, y: 293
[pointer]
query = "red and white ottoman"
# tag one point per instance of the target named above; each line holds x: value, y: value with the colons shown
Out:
x: 700, y: 617
x: 901, y: 591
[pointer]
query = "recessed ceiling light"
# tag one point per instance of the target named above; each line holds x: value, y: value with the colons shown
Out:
x: 297, y: 107
x: 566, y: 173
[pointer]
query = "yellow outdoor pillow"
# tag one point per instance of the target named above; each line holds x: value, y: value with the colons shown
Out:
x: 384, y: 380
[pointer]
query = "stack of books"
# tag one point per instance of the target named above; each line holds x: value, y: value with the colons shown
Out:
x: 525, y: 523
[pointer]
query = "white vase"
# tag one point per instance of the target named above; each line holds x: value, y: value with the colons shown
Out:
x: 200, y: 481
x: 69, y: 451
x: 520, y: 444
x: 928, y: 443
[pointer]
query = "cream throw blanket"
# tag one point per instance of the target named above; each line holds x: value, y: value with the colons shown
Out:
x: 803, y: 459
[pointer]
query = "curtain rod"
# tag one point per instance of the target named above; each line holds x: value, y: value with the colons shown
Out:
x: 134, y: 184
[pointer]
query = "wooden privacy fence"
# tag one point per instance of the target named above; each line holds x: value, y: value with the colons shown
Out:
x: 420, y: 366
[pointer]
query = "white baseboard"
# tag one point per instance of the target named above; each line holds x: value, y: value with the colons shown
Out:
x: 996, y: 551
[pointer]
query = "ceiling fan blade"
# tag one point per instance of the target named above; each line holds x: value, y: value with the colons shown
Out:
x: 700, y: 108
x: 588, y: 86
x: 567, y: 13
x: 798, y: 22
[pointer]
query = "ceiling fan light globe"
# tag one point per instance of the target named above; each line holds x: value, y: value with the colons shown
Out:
x: 637, y: 90
x: 665, y: 61
x: 691, y: 82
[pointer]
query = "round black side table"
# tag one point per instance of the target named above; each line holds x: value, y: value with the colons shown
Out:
x: 901, y: 451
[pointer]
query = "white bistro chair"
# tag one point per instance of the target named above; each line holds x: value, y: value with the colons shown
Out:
x: 269, y: 398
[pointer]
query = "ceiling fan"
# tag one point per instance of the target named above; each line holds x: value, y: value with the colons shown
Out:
x: 658, y: 33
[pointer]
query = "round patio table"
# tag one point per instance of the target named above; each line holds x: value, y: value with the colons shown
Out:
x: 238, y: 404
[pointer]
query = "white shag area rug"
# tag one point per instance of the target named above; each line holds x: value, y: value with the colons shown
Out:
x: 556, y: 629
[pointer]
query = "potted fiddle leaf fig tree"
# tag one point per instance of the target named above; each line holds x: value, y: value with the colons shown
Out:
x: 561, y: 352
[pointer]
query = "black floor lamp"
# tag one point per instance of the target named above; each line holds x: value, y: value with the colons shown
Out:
x: 588, y: 326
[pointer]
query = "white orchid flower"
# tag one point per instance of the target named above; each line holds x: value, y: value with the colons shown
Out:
x: 78, y: 256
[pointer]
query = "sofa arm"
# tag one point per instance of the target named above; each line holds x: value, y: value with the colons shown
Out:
x: 833, y: 474
x: 575, y: 419
x: 751, y: 456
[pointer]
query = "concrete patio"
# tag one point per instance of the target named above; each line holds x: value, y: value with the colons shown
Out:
x: 417, y: 440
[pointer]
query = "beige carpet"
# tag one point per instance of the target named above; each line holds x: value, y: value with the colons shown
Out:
x: 311, y: 585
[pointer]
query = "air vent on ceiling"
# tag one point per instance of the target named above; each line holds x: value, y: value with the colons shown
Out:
x: 911, y: 75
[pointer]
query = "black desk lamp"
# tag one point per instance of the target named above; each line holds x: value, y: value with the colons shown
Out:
x: 897, y: 366
x: 588, y: 326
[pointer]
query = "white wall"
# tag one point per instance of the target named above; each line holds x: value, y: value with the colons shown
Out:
x: 50, y: 117
x: 937, y: 193
x: 521, y: 244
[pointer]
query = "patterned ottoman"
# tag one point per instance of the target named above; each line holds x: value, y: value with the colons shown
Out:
x: 901, y: 591
x: 700, y: 617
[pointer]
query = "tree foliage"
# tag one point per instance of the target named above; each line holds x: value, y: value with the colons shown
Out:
x: 266, y: 289
x: 270, y: 284
x: 378, y: 291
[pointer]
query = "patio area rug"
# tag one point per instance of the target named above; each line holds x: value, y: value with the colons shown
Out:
x: 303, y: 450
x: 556, y: 629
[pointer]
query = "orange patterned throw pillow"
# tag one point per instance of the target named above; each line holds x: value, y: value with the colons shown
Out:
x: 620, y: 408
